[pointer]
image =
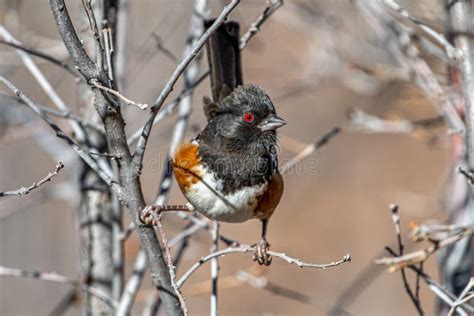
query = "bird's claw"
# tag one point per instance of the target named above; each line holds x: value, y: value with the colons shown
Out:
x: 146, y: 215
x: 261, y: 255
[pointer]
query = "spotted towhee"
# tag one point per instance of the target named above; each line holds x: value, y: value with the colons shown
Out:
x: 229, y: 171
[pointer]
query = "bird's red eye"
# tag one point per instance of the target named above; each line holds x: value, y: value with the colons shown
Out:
x: 248, y: 117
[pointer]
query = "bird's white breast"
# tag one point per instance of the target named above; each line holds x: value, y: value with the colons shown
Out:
x: 235, y: 207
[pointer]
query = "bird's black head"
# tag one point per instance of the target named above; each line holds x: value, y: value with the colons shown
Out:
x: 244, y: 121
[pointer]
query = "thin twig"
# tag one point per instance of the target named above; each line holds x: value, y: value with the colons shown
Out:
x: 135, y: 280
x: 396, y: 224
x: 161, y: 47
x: 417, y: 283
x: 439, y: 290
x: 44, y: 56
x: 141, y: 106
x: 407, y: 53
x: 399, y: 262
x: 436, y: 232
x: 154, y: 302
x: 451, y: 51
x: 363, y: 122
x: 109, y: 50
x: 44, y: 83
x: 95, y: 33
x: 62, y: 306
x: 63, y: 136
x: 70, y: 116
x: 25, y: 190
x: 54, y: 277
x: 127, y: 232
x: 169, y: 108
x: 310, y: 149
x: 242, y: 248
x: 469, y: 175
x: 64, y: 115
x: 464, y: 297
x: 214, y: 267
x: 255, y: 26
x: 170, y: 264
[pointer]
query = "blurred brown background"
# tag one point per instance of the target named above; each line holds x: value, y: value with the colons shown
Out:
x: 342, y: 208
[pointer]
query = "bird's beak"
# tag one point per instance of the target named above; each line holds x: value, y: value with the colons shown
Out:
x: 272, y: 123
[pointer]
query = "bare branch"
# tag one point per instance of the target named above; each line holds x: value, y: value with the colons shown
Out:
x: 44, y: 56
x: 255, y: 26
x: 310, y: 149
x: 214, y: 267
x: 154, y: 302
x: 70, y: 116
x: 64, y: 304
x: 44, y: 83
x: 95, y: 33
x: 25, y: 190
x: 141, y: 106
x: 465, y: 297
x: 109, y: 50
x: 161, y: 47
x: 170, y: 264
x: 421, y: 255
x: 366, y: 123
x: 469, y: 175
x: 122, y: 31
x: 169, y: 108
x: 63, y: 136
x: 133, y: 284
x: 396, y: 224
x: 362, y: 122
x: 65, y: 115
x: 54, y: 277
x: 436, y: 288
x: 451, y: 51
x: 242, y: 248
x: 69, y: 36
x: 407, y: 53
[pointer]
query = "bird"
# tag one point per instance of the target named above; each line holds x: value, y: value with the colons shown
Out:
x: 229, y: 171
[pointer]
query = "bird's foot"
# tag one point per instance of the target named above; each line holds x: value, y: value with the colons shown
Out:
x: 261, y: 254
x: 146, y: 216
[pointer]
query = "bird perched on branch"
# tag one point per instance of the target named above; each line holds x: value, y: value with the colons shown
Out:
x: 229, y: 171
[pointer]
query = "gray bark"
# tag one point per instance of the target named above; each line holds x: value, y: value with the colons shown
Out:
x: 457, y: 261
x: 96, y: 208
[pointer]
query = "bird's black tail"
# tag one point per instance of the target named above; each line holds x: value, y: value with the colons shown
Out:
x: 224, y: 59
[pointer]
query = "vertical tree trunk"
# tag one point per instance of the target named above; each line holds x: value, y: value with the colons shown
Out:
x: 96, y: 211
x: 457, y: 261
x: 116, y: 12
